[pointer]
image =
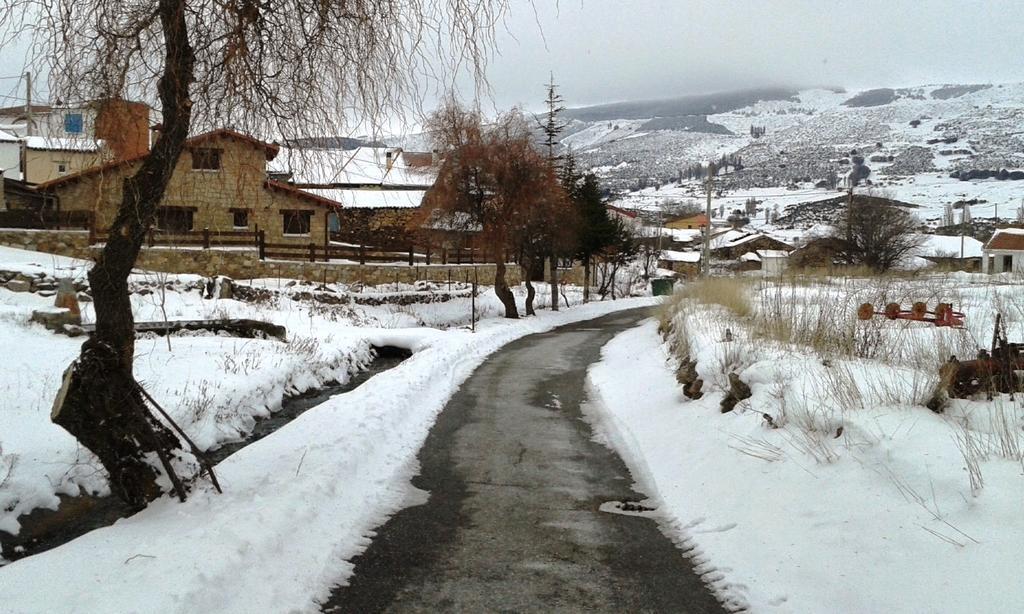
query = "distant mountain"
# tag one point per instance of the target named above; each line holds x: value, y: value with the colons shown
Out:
x: 699, y: 104
x: 805, y: 137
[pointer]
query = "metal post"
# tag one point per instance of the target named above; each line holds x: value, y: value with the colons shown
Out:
x: 263, y: 244
x: 706, y: 252
x: 476, y: 280
x: 206, y: 238
x: 28, y: 107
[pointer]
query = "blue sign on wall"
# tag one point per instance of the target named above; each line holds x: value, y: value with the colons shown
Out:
x: 73, y: 123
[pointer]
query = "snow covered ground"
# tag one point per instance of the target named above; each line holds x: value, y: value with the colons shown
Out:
x: 297, y: 505
x: 831, y: 489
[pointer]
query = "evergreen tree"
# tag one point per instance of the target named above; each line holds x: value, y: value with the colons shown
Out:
x: 596, y: 230
x: 552, y: 126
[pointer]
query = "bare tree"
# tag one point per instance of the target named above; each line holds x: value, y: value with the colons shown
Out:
x: 876, y: 233
x: 495, y: 181
x: 273, y: 69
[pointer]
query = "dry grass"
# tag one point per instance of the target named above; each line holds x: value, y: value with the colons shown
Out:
x: 729, y: 292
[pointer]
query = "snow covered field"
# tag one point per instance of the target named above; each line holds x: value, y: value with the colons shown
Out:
x: 297, y: 505
x: 832, y: 488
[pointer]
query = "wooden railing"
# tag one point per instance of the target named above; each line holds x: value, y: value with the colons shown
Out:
x: 410, y: 254
x: 204, y: 238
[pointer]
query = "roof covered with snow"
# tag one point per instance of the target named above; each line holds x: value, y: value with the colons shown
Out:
x: 370, y: 198
x: 682, y: 235
x: 44, y: 143
x: 352, y: 167
x: 674, y: 256
x: 941, y: 246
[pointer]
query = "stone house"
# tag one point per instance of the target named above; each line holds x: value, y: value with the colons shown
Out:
x: 220, y: 184
x: 732, y: 244
x: 686, y: 264
x: 1004, y: 252
x: 379, y: 191
x: 822, y: 252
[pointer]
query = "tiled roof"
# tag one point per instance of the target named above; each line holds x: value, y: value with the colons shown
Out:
x: 1008, y: 239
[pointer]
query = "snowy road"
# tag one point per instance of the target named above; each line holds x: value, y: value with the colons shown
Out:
x: 515, y: 483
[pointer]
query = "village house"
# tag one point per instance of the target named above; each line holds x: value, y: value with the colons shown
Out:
x: 1004, y: 252
x: 686, y: 264
x: 955, y: 252
x: 379, y: 191
x: 690, y: 222
x: 732, y: 244
x: 220, y: 184
x: 630, y: 219
x: 55, y: 141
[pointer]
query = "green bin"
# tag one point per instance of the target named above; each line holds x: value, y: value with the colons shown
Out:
x: 662, y: 286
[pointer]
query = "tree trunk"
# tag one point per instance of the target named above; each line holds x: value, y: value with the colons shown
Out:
x: 586, y: 278
x: 100, y: 404
x: 554, y: 283
x: 531, y: 293
x: 502, y: 290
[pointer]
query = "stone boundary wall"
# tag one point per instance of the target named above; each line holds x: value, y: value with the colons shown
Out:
x: 74, y: 243
x: 243, y: 263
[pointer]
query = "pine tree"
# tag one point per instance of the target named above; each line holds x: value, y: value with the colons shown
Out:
x: 552, y: 126
x: 596, y: 228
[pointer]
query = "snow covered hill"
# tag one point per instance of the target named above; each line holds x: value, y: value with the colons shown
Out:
x: 930, y: 146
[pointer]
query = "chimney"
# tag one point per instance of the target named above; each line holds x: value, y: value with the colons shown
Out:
x: 123, y: 126
x: 390, y: 159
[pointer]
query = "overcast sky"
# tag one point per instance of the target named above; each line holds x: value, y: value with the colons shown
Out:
x: 612, y: 50
x: 609, y: 50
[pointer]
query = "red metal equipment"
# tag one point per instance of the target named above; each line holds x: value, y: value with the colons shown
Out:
x: 944, y: 315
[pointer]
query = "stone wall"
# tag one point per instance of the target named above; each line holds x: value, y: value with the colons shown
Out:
x: 74, y: 243
x: 244, y: 264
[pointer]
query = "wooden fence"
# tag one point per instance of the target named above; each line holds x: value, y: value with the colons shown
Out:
x: 311, y: 252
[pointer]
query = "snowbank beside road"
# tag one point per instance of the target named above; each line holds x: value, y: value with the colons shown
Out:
x: 889, y: 525
x: 297, y: 505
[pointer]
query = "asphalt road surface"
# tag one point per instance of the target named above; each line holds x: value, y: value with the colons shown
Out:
x: 512, y: 523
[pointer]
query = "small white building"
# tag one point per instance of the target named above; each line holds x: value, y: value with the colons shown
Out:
x: 1004, y: 252
x: 773, y: 261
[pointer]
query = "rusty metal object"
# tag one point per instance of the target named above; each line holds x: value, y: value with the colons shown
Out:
x: 992, y: 371
x: 943, y: 315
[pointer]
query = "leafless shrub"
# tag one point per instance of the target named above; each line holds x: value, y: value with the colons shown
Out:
x: 972, y: 450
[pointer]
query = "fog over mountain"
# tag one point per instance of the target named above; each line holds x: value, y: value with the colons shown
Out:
x: 604, y: 51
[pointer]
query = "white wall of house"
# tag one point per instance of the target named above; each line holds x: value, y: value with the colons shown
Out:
x: 1002, y: 261
x: 773, y: 266
x: 10, y: 158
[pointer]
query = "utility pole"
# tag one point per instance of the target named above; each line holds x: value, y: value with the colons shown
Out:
x: 705, y: 257
x: 849, y: 213
x: 28, y: 103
